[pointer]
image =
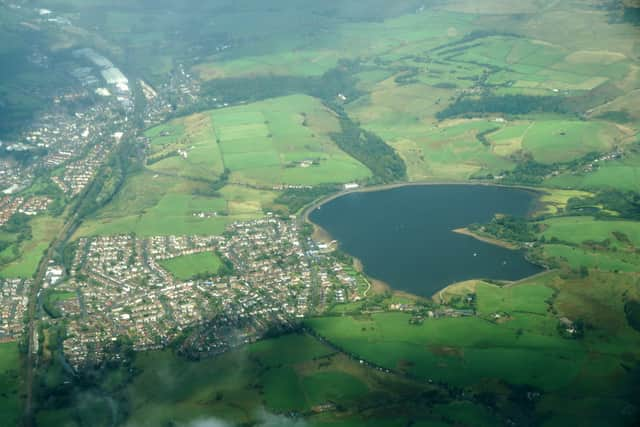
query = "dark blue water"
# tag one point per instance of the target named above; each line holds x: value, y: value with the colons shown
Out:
x: 404, y: 236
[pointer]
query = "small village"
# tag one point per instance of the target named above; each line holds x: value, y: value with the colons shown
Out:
x: 271, y: 278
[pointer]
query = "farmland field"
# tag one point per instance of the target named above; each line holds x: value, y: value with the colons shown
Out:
x: 283, y: 141
x: 561, y: 141
x: 577, y: 230
x: 522, y: 344
x: 260, y: 383
x: 577, y: 257
x: 624, y: 174
x: 152, y: 204
x: 195, y: 139
x: 280, y: 141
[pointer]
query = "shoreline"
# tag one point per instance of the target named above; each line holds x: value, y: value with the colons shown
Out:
x: 492, y: 241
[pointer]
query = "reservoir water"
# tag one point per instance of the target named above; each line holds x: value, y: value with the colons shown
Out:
x: 404, y: 237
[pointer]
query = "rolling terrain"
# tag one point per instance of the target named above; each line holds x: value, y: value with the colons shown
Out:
x: 298, y: 99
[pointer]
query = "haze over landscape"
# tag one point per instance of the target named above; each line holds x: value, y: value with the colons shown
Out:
x: 302, y: 213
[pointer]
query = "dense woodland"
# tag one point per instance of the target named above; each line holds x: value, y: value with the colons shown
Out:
x: 509, y: 228
x: 505, y: 104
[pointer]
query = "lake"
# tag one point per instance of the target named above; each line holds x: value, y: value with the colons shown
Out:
x: 404, y: 237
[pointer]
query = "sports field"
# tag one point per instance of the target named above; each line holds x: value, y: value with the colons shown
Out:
x: 187, y: 266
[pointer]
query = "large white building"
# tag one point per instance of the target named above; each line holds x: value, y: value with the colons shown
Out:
x: 110, y: 73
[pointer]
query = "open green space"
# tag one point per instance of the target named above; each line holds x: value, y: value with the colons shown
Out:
x: 523, y: 345
x: 577, y: 257
x: 260, y: 383
x: 150, y: 204
x: 554, y: 141
x: 187, y: 266
x: 279, y: 141
x: 10, y: 384
x: 283, y: 141
x: 622, y: 174
x: 471, y: 350
x: 186, y: 148
x: 560, y: 141
x: 43, y: 231
x: 578, y: 230
x: 573, y: 66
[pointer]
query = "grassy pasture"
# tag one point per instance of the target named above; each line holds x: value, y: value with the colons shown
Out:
x: 508, y: 140
x: 187, y: 266
x: 530, y: 298
x: 578, y: 230
x: 599, y: 300
x: 523, y: 345
x: 265, y: 143
x: 227, y: 382
x: 151, y: 204
x: 44, y: 230
x: 258, y: 382
x: 461, y: 351
x: 402, y: 115
x: 300, y: 63
x: 621, y: 174
x: 323, y: 50
x: 192, y: 135
x: 561, y: 141
x: 10, y: 384
x: 550, y: 140
x: 577, y: 257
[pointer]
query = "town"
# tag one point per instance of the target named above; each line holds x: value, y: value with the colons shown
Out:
x: 271, y: 276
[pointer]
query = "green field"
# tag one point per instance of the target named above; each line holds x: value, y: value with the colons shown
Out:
x: 561, y: 141
x: 194, y: 137
x: 187, y: 266
x: 577, y: 257
x: 44, y: 229
x: 264, y: 144
x: 621, y: 174
x: 577, y: 230
x: 263, y: 384
x: 523, y: 346
x: 10, y: 384
x: 267, y: 142
x: 152, y: 204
